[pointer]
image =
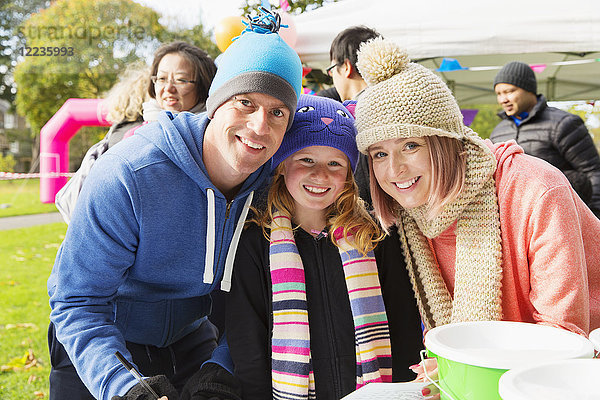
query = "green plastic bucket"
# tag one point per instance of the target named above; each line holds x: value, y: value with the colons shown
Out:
x: 472, y: 356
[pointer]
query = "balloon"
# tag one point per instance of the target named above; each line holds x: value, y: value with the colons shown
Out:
x: 227, y: 29
x: 288, y: 34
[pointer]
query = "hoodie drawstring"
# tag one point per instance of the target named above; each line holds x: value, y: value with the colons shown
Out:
x: 210, y: 238
x: 226, y: 281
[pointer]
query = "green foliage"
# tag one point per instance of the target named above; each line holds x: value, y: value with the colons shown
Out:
x: 7, y: 163
x: 195, y: 36
x: 296, y: 6
x: 22, y: 197
x: 486, y: 119
x: 103, y: 36
x: 28, y: 256
x: 12, y: 14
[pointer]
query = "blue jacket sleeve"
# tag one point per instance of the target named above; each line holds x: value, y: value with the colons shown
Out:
x: 221, y: 355
x: 91, y: 264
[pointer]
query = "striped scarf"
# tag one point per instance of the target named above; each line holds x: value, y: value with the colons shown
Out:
x: 292, y: 375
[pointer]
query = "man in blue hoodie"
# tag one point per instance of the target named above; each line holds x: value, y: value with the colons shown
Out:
x: 156, y: 228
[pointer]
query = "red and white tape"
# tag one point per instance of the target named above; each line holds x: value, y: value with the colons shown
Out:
x: 16, y: 175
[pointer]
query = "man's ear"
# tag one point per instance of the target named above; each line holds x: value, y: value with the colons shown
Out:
x: 347, y: 69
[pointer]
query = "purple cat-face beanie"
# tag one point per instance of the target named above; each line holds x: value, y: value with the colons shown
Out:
x: 320, y: 121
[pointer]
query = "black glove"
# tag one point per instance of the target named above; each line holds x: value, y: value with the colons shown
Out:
x: 212, y: 382
x: 160, y: 384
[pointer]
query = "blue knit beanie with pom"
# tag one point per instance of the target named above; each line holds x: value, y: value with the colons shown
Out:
x: 319, y: 121
x: 258, y: 61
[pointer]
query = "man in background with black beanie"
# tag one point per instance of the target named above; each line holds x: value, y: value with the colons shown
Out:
x: 546, y: 132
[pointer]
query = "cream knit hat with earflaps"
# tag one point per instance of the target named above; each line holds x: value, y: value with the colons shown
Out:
x: 403, y: 100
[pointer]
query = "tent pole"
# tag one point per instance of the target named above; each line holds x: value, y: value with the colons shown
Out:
x: 551, y: 88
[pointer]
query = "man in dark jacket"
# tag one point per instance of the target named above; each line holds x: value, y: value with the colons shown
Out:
x: 546, y: 132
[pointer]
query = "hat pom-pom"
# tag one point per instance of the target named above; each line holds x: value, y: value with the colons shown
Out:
x: 380, y: 59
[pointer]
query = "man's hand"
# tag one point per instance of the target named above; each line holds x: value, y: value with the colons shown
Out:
x: 160, y: 384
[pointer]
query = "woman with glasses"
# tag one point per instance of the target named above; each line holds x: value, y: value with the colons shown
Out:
x: 180, y: 77
x: 178, y: 80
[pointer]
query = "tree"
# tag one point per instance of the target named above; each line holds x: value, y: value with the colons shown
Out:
x: 195, y: 36
x: 85, y: 44
x: 7, y: 163
x: 12, y: 14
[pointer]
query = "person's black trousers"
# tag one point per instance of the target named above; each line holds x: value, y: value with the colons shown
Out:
x: 178, y: 362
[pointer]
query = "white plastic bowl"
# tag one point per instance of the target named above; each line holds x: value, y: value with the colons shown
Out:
x: 505, y: 344
x: 472, y: 356
x: 556, y: 380
x: 595, y: 338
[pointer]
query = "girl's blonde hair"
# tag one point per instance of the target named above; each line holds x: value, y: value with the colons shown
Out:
x: 448, y: 168
x: 124, y: 100
x: 347, y: 212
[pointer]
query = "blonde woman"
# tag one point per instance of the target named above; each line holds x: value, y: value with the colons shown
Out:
x: 488, y: 232
x: 125, y: 99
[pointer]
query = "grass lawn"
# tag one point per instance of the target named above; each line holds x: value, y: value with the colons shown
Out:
x: 23, y: 198
x: 27, y: 256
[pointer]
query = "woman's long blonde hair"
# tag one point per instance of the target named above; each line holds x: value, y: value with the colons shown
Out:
x: 347, y: 212
x: 124, y: 100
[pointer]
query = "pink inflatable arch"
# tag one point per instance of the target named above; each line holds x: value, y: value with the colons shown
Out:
x: 54, y: 141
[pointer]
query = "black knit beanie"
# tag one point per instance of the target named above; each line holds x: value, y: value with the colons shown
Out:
x: 519, y: 74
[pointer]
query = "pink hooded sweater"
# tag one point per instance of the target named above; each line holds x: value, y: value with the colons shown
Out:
x: 550, y: 245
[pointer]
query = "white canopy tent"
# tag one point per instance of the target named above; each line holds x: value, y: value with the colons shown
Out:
x: 559, y: 36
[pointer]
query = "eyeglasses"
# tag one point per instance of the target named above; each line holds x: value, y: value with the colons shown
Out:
x: 179, y: 83
x: 328, y: 70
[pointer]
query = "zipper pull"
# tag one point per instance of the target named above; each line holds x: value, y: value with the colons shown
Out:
x: 229, y: 203
x: 320, y: 235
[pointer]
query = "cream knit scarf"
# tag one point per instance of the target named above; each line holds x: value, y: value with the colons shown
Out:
x: 478, y: 276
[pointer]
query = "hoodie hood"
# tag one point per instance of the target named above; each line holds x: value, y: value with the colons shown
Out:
x: 180, y: 139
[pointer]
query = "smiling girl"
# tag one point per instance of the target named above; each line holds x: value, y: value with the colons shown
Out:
x: 306, y: 316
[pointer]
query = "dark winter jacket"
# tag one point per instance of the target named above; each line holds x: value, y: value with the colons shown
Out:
x: 249, y: 314
x: 561, y: 139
